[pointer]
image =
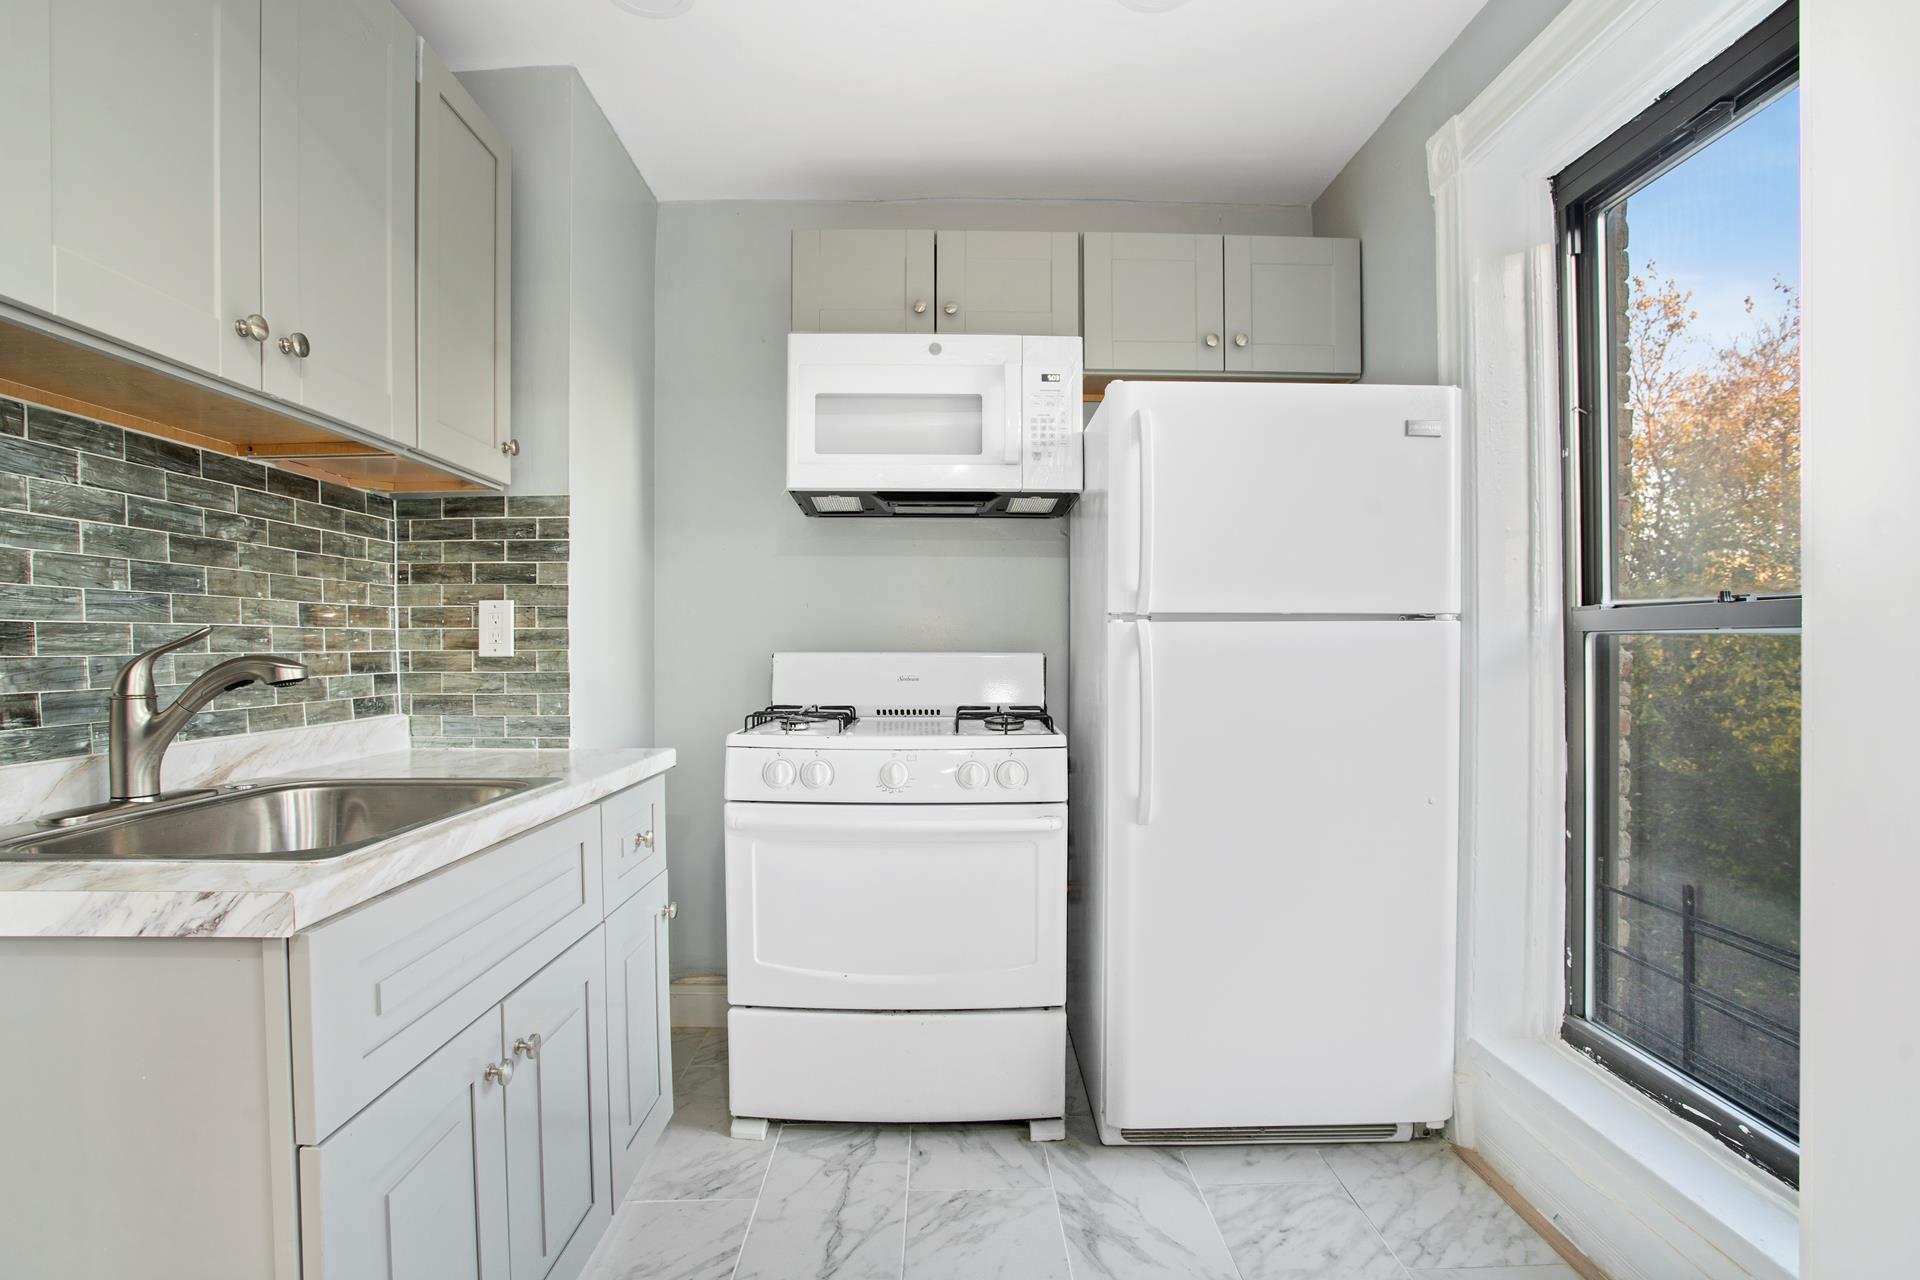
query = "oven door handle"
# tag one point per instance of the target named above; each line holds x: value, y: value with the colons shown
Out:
x: 878, y: 826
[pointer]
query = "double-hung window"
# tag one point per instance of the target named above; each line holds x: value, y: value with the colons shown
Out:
x: 1679, y: 239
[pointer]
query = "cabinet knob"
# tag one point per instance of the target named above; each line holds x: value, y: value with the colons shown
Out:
x: 643, y: 839
x: 952, y: 308
x: 1239, y: 339
x: 253, y: 326
x: 671, y: 910
x: 296, y: 344
x: 510, y: 447
x: 527, y: 1046
x: 498, y: 1072
x: 919, y: 306
x: 1213, y: 339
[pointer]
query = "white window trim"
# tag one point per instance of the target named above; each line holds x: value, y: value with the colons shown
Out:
x: 1643, y: 1193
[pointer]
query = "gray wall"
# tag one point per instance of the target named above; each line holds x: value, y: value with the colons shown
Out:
x: 1381, y: 196
x: 584, y: 226
x: 741, y: 573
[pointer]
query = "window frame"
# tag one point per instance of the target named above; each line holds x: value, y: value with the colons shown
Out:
x: 1743, y: 80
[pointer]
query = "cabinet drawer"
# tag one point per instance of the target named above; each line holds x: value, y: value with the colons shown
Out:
x: 376, y: 991
x: 633, y: 839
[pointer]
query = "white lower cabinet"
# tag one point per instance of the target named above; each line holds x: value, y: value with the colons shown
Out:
x: 502, y: 1155
x: 415, y: 1186
x: 639, y: 1029
x: 486, y: 1160
x: 557, y: 1189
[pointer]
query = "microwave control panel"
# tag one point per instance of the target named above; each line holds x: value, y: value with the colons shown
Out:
x: 1050, y: 409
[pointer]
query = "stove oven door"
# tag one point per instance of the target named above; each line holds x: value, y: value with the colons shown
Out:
x: 896, y: 906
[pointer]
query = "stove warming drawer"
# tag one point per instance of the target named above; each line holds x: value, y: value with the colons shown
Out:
x: 896, y: 907
x: 897, y: 1068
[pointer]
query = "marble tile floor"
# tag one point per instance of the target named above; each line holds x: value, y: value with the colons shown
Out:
x: 980, y: 1202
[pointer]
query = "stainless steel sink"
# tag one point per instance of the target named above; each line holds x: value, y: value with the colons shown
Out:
x: 293, y: 821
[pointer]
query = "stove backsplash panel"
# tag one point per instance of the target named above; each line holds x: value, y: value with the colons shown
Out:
x: 112, y: 542
x: 453, y: 553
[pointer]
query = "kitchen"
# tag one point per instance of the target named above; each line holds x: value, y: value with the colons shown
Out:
x: 504, y: 467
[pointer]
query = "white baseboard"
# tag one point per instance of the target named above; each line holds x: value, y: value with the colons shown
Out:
x: 700, y: 1000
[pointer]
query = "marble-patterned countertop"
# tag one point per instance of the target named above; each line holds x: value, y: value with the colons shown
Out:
x: 124, y: 899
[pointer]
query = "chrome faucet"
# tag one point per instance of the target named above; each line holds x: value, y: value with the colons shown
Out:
x: 139, y: 733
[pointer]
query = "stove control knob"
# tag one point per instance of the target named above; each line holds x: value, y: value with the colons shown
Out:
x: 893, y: 775
x: 815, y: 774
x: 1012, y: 774
x: 973, y: 775
x: 777, y: 774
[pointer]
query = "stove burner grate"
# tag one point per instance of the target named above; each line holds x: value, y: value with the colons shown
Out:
x: 795, y: 718
x: 1003, y: 719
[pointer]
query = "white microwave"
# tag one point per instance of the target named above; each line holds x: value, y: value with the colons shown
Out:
x: 903, y: 424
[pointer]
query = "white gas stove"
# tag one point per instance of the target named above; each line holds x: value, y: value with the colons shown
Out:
x: 896, y: 893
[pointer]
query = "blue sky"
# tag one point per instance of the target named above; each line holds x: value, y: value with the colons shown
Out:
x: 1726, y: 221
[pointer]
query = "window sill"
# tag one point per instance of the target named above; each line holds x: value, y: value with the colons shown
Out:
x: 1637, y: 1190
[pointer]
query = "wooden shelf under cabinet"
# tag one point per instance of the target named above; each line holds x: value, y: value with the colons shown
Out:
x: 73, y: 377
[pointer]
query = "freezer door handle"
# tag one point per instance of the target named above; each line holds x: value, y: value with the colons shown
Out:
x: 1143, y: 423
x: 1144, y: 630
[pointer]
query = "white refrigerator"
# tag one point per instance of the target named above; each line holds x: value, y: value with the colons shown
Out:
x: 1265, y: 743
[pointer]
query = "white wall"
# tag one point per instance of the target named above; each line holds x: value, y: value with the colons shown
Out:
x: 741, y: 573
x: 610, y: 466
x: 1860, y: 1061
x: 1381, y: 196
x: 584, y: 235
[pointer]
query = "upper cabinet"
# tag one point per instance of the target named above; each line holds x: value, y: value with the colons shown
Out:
x: 132, y: 135
x: 465, y: 285
x: 1153, y: 301
x: 1293, y: 305
x: 232, y: 186
x: 1025, y: 282
x: 863, y: 282
x: 336, y: 200
x: 1213, y: 304
x: 927, y: 282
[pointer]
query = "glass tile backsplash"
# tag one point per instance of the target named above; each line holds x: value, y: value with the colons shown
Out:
x: 112, y: 542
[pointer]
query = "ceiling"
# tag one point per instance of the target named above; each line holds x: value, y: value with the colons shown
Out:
x: 1248, y: 101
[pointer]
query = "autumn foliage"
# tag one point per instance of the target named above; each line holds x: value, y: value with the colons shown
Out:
x: 1705, y: 755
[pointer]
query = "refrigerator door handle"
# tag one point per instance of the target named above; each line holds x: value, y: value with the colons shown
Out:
x: 1143, y: 423
x: 1144, y: 630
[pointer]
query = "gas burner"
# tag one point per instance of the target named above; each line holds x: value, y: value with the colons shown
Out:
x: 1002, y: 719
x: 796, y: 719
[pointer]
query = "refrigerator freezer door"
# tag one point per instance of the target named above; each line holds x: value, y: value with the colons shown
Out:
x: 1261, y: 498
x: 1279, y: 934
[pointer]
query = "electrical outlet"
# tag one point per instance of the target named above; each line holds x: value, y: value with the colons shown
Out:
x: 496, y: 628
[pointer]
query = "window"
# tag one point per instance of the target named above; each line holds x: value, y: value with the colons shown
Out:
x: 1681, y: 331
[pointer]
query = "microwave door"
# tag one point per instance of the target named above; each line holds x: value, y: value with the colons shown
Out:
x: 946, y: 427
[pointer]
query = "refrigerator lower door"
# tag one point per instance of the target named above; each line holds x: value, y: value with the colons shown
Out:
x: 1261, y: 498
x: 1280, y: 844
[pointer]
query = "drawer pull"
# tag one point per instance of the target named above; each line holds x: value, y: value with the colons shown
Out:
x: 498, y: 1072
x: 643, y: 839
x: 528, y: 1046
x: 671, y: 910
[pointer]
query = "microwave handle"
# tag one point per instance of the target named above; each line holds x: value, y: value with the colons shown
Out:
x: 1016, y: 417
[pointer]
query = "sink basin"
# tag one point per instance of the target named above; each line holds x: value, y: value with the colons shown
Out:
x: 294, y: 821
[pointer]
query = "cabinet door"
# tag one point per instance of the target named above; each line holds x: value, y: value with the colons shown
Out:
x: 131, y: 130
x: 1153, y: 302
x: 465, y: 231
x: 337, y: 173
x: 1293, y: 305
x: 639, y: 1029
x: 863, y: 282
x: 557, y: 1188
x: 1023, y: 282
x: 415, y: 1186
